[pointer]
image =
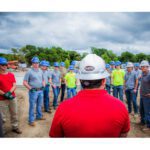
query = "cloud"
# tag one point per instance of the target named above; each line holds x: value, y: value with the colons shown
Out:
x: 77, y: 31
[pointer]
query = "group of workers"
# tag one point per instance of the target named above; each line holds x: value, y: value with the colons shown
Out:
x: 93, y: 112
x: 38, y: 81
x: 129, y: 80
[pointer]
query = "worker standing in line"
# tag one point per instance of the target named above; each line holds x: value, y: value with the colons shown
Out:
x: 63, y: 72
x: 34, y: 82
x: 55, y: 82
x: 92, y: 112
x: 117, y: 79
x: 71, y: 82
x: 145, y: 95
x: 47, y: 75
x: 108, y: 80
x: 131, y: 85
x: 112, y: 66
x: 8, y: 97
x: 139, y: 74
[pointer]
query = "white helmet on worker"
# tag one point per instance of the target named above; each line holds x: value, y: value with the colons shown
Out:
x: 92, y: 67
x: 129, y: 64
x: 144, y: 63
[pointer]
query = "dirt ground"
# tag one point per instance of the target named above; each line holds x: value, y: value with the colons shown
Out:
x: 42, y: 127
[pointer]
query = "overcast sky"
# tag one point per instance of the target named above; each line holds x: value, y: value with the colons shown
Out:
x: 77, y: 31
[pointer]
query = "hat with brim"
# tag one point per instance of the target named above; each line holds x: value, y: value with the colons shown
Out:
x: 93, y: 76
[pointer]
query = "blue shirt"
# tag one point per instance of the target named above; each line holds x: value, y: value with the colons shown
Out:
x: 130, y: 79
x: 56, y: 76
x: 35, y: 78
x: 139, y: 73
x: 47, y: 75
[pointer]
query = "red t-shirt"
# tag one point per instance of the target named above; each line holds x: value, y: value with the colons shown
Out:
x: 91, y: 113
x: 6, y: 83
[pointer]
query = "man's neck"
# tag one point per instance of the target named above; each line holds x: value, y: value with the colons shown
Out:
x: 35, y: 68
x: 146, y: 72
x: 3, y: 72
x: 100, y: 88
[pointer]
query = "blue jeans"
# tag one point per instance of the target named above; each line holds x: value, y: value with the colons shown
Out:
x: 35, y: 99
x: 131, y: 98
x: 63, y: 88
x: 137, y: 92
x: 56, y: 92
x: 146, y: 105
x: 118, y: 92
x: 71, y: 92
x: 142, y: 111
x: 46, y: 98
x: 108, y: 88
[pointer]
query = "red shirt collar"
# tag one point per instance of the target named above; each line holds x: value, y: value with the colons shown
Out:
x: 92, y: 92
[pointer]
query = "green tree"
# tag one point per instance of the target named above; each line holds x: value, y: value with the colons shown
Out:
x: 67, y: 63
x: 106, y: 58
x: 127, y: 56
x: 140, y: 57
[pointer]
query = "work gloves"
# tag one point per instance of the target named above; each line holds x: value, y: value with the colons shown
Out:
x: 9, y: 96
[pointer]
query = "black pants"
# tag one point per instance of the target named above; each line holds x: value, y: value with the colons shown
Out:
x: 63, y: 87
x: 1, y: 128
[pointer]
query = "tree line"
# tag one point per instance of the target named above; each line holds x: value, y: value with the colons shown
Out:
x: 53, y: 54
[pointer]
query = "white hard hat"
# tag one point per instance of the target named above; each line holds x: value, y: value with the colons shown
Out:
x: 130, y: 64
x: 144, y: 63
x: 92, y: 67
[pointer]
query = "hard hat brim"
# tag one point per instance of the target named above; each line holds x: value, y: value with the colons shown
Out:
x: 93, y: 76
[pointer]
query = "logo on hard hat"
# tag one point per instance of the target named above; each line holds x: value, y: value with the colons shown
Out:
x: 89, y: 68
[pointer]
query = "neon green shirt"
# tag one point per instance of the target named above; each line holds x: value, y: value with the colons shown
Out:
x: 118, y: 77
x: 71, y: 79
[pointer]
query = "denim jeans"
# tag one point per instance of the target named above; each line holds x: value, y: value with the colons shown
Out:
x: 71, y: 92
x: 56, y: 92
x: 131, y: 98
x: 35, y: 99
x: 136, y: 95
x: 108, y: 88
x: 118, y: 92
x: 63, y: 88
x: 142, y: 111
x: 146, y: 105
x: 46, y: 98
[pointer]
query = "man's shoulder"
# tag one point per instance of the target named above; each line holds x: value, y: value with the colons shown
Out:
x: 115, y: 102
x: 10, y: 73
x: 65, y: 105
x: 30, y: 71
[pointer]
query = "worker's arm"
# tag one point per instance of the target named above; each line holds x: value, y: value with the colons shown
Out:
x: 1, y: 92
x: 49, y: 80
x: 124, y: 87
x: 56, y: 129
x: 124, y: 135
x: 26, y: 80
x: 60, y: 82
x: 136, y: 85
x: 53, y: 85
x: 43, y: 83
x: 13, y: 88
x: 126, y: 124
x: 25, y: 83
x: 111, y: 78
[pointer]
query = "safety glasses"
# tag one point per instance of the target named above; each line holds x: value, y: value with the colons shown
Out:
x: 3, y: 64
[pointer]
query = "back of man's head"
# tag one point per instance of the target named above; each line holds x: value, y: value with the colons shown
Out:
x: 92, y: 71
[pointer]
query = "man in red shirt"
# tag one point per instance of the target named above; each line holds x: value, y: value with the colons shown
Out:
x: 7, y: 95
x: 92, y: 112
